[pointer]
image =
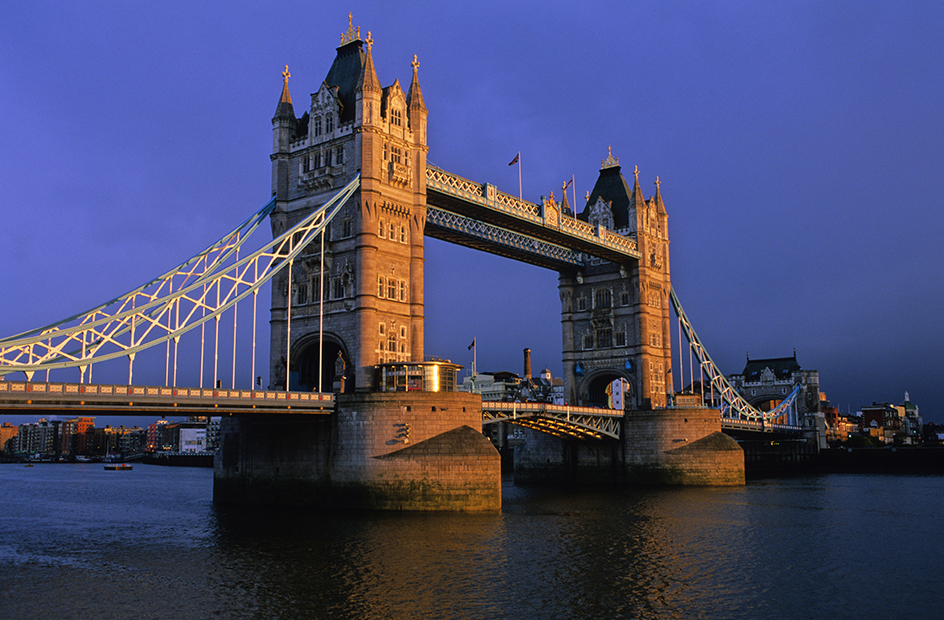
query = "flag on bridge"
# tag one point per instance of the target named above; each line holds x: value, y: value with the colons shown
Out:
x: 515, y: 160
x: 472, y: 345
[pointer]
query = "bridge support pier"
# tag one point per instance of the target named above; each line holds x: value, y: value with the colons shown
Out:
x: 672, y: 446
x: 392, y: 451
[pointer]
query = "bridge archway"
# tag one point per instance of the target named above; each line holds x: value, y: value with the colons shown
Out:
x: 592, y: 392
x: 306, y: 367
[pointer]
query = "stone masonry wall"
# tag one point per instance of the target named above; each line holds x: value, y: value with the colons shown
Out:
x: 400, y: 451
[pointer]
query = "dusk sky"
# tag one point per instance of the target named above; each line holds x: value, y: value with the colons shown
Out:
x: 800, y: 148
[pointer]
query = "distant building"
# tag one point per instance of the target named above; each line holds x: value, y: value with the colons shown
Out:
x: 765, y: 383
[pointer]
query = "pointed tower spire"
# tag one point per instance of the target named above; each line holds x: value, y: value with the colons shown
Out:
x: 414, y: 97
x: 285, y: 109
x: 638, y: 200
x: 660, y: 206
x: 369, y: 81
x: 565, y: 204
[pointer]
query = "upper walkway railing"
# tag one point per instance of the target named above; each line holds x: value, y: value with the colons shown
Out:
x: 482, y: 202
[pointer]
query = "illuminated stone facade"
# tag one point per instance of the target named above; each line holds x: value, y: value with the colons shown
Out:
x: 615, y: 317
x: 371, y: 284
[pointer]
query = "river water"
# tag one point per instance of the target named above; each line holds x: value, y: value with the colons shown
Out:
x: 77, y: 541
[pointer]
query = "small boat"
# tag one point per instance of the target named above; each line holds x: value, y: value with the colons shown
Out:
x: 28, y: 465
x: 118, y: 467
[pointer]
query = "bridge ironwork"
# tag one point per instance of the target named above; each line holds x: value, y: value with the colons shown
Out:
x: 213, y: 281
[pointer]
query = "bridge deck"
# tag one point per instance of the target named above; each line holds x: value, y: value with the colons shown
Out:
x: 21, y: 396
x: 482, y: 204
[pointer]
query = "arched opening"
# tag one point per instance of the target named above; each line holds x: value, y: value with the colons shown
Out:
x: 598, y: 394
x: 309, y: 367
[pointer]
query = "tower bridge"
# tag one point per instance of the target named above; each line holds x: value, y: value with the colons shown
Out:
x: 353, y: 198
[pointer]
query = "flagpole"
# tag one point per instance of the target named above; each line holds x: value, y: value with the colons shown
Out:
x: 574, y: 190
x: 519, y: 176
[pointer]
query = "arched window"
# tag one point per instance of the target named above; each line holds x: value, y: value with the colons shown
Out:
x: 329, y: 123
x: 316, y: 126
x: 601, y: 298
x: 380, y: 286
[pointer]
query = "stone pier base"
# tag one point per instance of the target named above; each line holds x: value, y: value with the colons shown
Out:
x: 393, y: 451
x: 666, y: 446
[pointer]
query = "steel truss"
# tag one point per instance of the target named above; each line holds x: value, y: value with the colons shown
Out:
x: 557, y: 420
x: 162, y: 310
x: 513, y: 242
x: 733, y: 404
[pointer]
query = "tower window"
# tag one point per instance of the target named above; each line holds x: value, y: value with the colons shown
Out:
x: 316, y: 126
x: 395, y: 117
x: 329, y: 123
x: 402, y: 234
x: 391, y: 288
x: 604, y: 337
x: 328, y: 157
x: 402, y: 292
x: 381, y: 229
x: 346, y: 228
x: 381, y: 286
x: 339, y: 155
x: 588, y: 341
x: 620, y: 339
x: 601, y: 298
x: 393, y: 231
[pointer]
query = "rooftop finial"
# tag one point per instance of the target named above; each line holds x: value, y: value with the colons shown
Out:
x: 286, y: 97
x: 610, y: 161
x: 415, y: 64
x: 370, y: 40
x: 636, y: 172
x: 658, y: 183
x: 352, y: 34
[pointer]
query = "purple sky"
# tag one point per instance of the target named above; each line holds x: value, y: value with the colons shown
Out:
x: 800, y: 147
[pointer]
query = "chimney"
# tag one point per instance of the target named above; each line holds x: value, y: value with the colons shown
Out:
x: 527, y: 363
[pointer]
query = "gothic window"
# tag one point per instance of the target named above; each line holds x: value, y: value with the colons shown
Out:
x: 329, y: 123
x: 306, y: 163
x: 402, y: 234
x: 381, y: 286
x: 302, y: 293
x: 393, y: 231
x: 604, y: 337
x: 620, y: 339
x: 655, y: 299
x: 581, y: 303
x: 381, y: 229
x: 601, y: 298
x: 346, y: 228
x: 624, y: 298
x: 588, y: 341
x: 317, y: 160
x: 391, y: 288
x: 328, y: 157
x: 338, y: 289
x: 317, y: 126
x: 385, y: 151
x: 395, y: 154
x: 395, y: 117
x: 392, y: 342
x: 403, y: 332
x: 339, y: 155
x: 402, y: 291
x: 655, y: 338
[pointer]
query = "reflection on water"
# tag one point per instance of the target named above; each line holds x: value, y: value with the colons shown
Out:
x: 76, y: 541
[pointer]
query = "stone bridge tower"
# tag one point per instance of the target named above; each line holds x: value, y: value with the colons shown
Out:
x: 615, y: 318
x: 372, y: 279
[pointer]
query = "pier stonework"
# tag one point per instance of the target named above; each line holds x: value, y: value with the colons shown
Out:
x: 416, y: 451
x: 674, y: 446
